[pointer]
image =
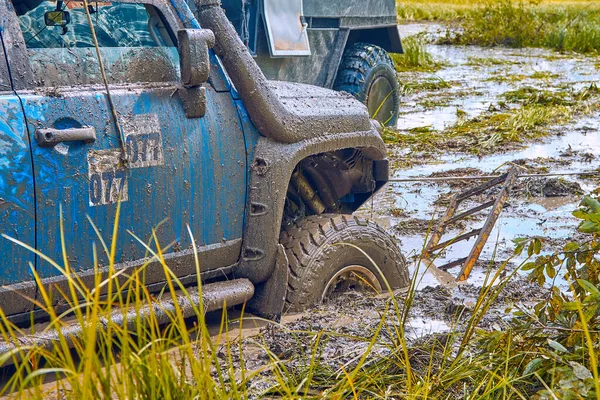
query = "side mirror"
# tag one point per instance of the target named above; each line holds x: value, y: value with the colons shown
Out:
x: 57, y: 18
x: 193, y: 45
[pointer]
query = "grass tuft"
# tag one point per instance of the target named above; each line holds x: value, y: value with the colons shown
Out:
x: 415, y: 57
x: 558, y: 25
x: 536, y: 113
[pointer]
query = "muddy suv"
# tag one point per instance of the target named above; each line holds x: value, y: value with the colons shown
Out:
x: 336, y: 44
x: 142, y: 112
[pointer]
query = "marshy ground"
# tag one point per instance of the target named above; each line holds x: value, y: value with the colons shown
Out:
x: 473, y: 109
x: 447, y: 124
x: 476, y: 91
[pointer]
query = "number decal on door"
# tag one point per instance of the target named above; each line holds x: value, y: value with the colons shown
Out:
x: 108, y: 173
x: 108, y: 177
x: 143, y: 140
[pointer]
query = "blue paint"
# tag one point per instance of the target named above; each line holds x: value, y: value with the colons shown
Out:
x: 185, y: 14
x: 17, y: 207
x: 251, y: 134
x: 208, y: 153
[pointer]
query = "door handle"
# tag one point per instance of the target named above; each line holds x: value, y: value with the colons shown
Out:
x: 48, y: 137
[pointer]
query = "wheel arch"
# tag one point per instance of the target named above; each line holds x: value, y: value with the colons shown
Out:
x: 270, y: 175
x: 386, y: 37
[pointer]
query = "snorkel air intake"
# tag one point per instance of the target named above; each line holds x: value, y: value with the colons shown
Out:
x: 269, y: 114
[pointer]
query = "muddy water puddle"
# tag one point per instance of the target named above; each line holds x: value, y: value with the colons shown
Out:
x: 410, y: 209
x: 475, y: 80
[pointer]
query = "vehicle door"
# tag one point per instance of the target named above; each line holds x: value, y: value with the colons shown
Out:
x: 176, y: 170
x: 17, y: 206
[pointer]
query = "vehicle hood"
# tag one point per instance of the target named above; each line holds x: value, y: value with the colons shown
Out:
x: 338, y: 111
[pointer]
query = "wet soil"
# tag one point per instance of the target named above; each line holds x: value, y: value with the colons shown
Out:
x: 537, y: 206
x: 336, y: 333
x: 548, y: 187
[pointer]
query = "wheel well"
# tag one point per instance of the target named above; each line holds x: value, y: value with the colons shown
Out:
x: 333, y: 182
x: 386, y: 37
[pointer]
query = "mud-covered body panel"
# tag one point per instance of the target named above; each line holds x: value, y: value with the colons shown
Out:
x: 331, y: 26
x: 17, y: 202
x: 381, y: 9
x: 271, y: 169
x: 309, y: 101
x: 315, y: 69
x: 175, y: 171
x: 265, y: 102
x: 180, y: 171
x: 224, y: 174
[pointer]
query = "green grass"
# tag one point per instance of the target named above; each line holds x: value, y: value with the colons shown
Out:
x: 433, y: 10
x: 543, y: 75
x: 432, y: 103
x: 559, y: 25
x: 425, y: 85
x: 415, y: 57
x: 490, y: 61
x: 181, y: 360
x: 144, y: 360
x: 531, y: 96
x: 536, y: 111
x: 506, y: 78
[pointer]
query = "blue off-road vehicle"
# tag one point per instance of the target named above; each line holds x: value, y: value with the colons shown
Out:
x: 336, y: 44
x: 169, y: 115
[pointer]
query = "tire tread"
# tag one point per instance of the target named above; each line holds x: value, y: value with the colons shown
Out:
x: 308, y: 242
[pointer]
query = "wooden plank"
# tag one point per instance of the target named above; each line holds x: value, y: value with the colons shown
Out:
x: 452, y: 264
x: 488, y: 226
x: 457, y: 239
x: 480, y: 189
x: 438, y: 232
x: 471, y: 211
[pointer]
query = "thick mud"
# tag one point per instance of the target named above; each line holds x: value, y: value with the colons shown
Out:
x: 475, y: 80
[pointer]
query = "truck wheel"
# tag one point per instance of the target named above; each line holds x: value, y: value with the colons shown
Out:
x: 368, y: 73
x: 322, y: 258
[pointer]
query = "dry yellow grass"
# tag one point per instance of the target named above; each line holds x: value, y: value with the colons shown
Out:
x: 563, y: 25
x: 439, y: 10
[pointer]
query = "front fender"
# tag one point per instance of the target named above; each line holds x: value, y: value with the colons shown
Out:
x: 270, y: 175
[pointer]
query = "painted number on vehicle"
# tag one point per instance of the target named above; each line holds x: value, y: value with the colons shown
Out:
x: 108, y: 177
x: 143, y: 141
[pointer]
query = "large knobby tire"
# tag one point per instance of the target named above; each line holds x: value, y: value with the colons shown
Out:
x: 319, y: 247
x: 368, y: 73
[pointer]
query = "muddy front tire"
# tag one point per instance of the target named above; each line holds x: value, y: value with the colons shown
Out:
x: 324, y: 256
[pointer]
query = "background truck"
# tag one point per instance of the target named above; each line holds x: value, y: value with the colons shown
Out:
x: 336, y: 44
x: 142, y: 113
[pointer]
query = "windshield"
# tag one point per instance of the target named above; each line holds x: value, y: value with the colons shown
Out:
x: 134, y: 42
x: 116, y: 24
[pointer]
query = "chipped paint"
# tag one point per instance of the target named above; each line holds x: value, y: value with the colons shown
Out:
x: 62, y: 148
x: 143, y: 140
x: 108, y: 177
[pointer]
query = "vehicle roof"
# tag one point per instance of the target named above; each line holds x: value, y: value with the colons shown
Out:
x: 349, y: 8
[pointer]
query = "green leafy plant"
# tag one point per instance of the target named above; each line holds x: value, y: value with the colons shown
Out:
x: 556, y: 345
